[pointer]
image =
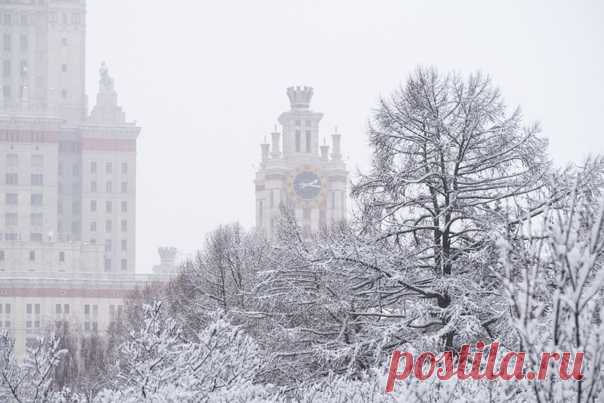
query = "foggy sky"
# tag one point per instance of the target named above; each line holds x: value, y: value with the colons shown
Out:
x: 206, y: 80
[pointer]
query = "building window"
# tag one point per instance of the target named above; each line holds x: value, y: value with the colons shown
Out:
x: 124, y: 225
x: 124, y: 264
x: 23, y: 70
x: 308, y: 123
x: 75, y: 207
x: 124, y: 168
x: 124, y: 206
x: 108, y: 187
x: 108, y: 167
x: 11, y: 236
x: 107, y: 264
x: 1, y: 258
x: 37, y: 180
x: 108, y: 206
x: 7, y: 42
x: 32, y: 255
x: 6, y: 68
x: 11, y: 219
x: 64, y: 41
x: 12, y: 199
x: 298, y: 141
x: 93, y: 226
x: 35, y: 237
x: 124, y: 245
x: 93, y: 187
x: 12, y: 179
x: 124, y: 187
x: 298, y: 122
x: 108, y: 226
x: 108, y: 245
x: 37, y: 199
x: 64, y: 68
x: 308, y: 141
x: 61, y: 257
x: 93, y: 167
x: 6, y: 91
x: 64, y: 94
x: 75, y: 169
x: 93, y: 205
x: 7, y: 19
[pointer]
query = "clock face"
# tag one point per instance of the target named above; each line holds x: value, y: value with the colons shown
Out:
x: 307, y: 185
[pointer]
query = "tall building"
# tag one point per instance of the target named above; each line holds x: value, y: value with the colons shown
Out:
x: 299, y: 172
x: 67, y: 178
x: 43, y: 57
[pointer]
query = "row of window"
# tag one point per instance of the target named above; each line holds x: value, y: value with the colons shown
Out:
x: 75, y: 169
x: 12, y: 161
x: 15, y: 236
x: 109, y: 245
x: 33, y: 312
x: 12, y: 179
x: 9, y: 19
x: 32, y: 256
x: 109, y: 263
x: 12, y: 199
x: 61, y: 256
x: 75, y: 187
x: 108, y: 187
x: 7, y: 43
x: 75, y: 206
x: 35, y: 219
x: 109, y: 226
x: 7, y: 70
x: 7, y: 92
x: 37, y: 161
x: 108, y: 167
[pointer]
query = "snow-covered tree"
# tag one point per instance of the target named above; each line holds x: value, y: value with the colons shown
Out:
x: 158, y: 362
x: 30, y: 381
x: 554, y: 282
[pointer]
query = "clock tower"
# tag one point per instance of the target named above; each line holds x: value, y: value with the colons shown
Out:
x: 299, y: 172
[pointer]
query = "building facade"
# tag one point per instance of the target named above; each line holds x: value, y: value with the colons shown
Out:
x: 67, y: 177
x: 299, y: 172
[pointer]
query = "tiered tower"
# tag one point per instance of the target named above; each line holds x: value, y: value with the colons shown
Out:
x: 300, y: 174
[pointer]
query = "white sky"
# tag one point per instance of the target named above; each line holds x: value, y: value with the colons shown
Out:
x: 206, y: 80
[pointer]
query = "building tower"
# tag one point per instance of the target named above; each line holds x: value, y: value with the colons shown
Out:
x: 300, y: 174
x: 43, y: 57
x: 108, y: 197
x: 67, y: 179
